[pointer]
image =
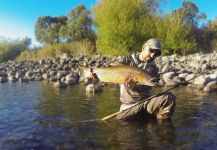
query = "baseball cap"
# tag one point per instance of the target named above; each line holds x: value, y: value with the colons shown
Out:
x: 154, y: 44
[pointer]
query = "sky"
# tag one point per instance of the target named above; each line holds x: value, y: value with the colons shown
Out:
x: 18, y: 17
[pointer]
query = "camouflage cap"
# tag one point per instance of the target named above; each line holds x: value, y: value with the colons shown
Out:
x: 154, y: 44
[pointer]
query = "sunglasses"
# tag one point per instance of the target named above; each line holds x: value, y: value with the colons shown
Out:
x: 156, y: 52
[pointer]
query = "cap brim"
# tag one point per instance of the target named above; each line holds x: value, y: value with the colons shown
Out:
x: 155, y: 48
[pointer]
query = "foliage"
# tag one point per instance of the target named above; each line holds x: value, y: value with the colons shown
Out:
x: 47, y: 28
x: 123, y: 25
x: 211, y: 34
x: 120, y: 25
x: 190, y: 17
x: 56, y: 49
x: 176, y: 36
x: 9, y: 49
x: 178, y: 30
x: 77, y: 26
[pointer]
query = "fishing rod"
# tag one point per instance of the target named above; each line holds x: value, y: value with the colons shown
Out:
x: 142, y: 101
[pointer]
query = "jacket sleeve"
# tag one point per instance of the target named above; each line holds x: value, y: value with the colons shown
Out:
x: 126, y: 60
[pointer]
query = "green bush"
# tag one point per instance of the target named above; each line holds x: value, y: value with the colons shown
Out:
x: 179, y: 36
x: 120, y: 25
x: 10, y: 49
x: 176, y: 36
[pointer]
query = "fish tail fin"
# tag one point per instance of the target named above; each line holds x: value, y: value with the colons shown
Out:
x: 86, y: 73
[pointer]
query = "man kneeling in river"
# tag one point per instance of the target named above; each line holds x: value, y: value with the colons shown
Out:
x: 161, y: 107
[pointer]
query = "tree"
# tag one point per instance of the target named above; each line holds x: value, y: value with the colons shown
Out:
x: 79, y: 25
x: 26, y: 42
x: 76, y: 26
x: 190, y: 12
x: 47, y: 28
x: 211, y: 35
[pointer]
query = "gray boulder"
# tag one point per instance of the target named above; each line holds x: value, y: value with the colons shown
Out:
x: 200, y: 81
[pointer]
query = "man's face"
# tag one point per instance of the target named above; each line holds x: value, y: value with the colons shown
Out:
x: 149, y: 55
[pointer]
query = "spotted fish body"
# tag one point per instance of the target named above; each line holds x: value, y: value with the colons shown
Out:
x: 119, y: 74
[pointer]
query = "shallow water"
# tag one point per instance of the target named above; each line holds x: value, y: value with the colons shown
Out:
x: 39, y: 116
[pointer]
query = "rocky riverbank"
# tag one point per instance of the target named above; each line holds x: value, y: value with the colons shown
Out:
x: 175, y: 69
x: 64, y: 70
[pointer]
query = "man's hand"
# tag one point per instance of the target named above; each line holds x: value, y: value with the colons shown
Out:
x: 130, y: 83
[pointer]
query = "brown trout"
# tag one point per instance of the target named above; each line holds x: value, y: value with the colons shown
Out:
x: 119, y: 74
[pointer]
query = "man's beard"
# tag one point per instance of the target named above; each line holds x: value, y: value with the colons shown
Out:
x: 149, y: 59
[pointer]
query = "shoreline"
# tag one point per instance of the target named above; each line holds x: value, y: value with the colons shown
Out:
x: 64, y: 70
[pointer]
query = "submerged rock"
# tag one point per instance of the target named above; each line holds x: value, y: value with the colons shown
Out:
x: 12, y: 78
x: 92, y: 88
x: 59, y: 84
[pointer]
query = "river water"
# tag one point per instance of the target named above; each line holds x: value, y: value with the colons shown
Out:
x: 38, y: 116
